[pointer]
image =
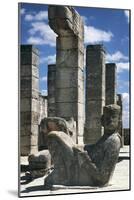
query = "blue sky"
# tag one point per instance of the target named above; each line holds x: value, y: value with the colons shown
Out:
x: 106, y: 26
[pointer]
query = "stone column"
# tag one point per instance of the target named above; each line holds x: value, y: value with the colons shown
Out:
x: 111, y: 83
x: 42, y: 107
x: 120, y: 103
x: 68, y: 25
x: 29, y: 99
x: 95, y: 92
x: 51, y: 90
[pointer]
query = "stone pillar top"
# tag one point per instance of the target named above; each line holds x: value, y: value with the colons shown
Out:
x: 29, y: 48
x: 64, y: 21
x: 52, y: 67
x: 96, y: 47
x: 119, y: 97
x: 111, y: 64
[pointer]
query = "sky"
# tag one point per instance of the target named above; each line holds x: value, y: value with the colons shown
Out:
x: 109, y: 27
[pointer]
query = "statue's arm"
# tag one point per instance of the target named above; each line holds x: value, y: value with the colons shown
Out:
x: 112, y: 149
x: 101, y: 175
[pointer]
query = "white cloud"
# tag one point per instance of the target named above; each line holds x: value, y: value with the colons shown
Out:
x: 42, y: 15
x: 22, y: 11
x: 29, y: 17
x: 94, y: 35
x: 45, y: 34
x: 44, y: 78
x: 44, y: 92
x: 49, y: 59
x: 121, y: 66
x: 126, y: 13
x: 125, y: 97
x: 115, y: 57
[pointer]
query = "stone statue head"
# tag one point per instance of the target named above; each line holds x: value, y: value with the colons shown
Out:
x: 111, y: 118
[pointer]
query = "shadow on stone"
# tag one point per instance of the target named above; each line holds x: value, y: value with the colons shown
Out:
x: 34, y: 188
x: 24, y: 168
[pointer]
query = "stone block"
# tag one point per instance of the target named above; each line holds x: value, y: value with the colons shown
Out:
x: 40, y: 160
x: 29, y: 48
x: 25, y: 83
x: 26, y: 58
x: 35, y: 94
x: 62, y: 12
x: 66, y: 95
x: 34, y: 129
x: 69, y: 58
x: 66, y: 76
x: 66, y: 110
x: 33, y: 149
x: 35, y: 84
x: 29, y: 140
x: 25, y: 118
x: 28, y: 130
x: 51, y: 100
x: 25, y: 93
x: 35, y: 71
x: 69, y: 42
x: 29, y: 55
x: 126, y: 136
x: 25, y: 105
x: 25, y: 130
x: 69, y: 77
x: 25, y: 150
x: 34, y: 140
x: 92, y: 135
x: 25, y: 140
x: 25, y: 70
x: 35, y: 60
x: 29, y: 117
x: 35, y: 105
x: 34, y: 118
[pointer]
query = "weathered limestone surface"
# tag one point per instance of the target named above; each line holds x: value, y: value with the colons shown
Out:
x: 39, y: 164
x: 54, y: 124
x: 29, y: 99
x: 68, y: 25
x: 39, y: 160
x: 43, y: 107
x: 51, y: 90
x: 111, y: 83
x: 126, y: 136
x: 121, y: 130
x: 95, y: 92
x: 95, y: 165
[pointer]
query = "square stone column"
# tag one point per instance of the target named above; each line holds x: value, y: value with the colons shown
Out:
x: 121, y: 130
x: 51, y: 90
x: 111, y: 83
x: 95, y: 92
x: 42, y: 107
x: 29, y: 99
x: 68, y: 25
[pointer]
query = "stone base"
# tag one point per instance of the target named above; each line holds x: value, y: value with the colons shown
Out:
x: 41, y: 160
x: 64, y: 187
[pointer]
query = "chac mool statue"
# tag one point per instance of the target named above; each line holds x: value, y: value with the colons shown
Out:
x: 92, y: 166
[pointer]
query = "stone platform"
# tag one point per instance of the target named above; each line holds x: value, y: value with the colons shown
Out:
x: 119, y: 181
